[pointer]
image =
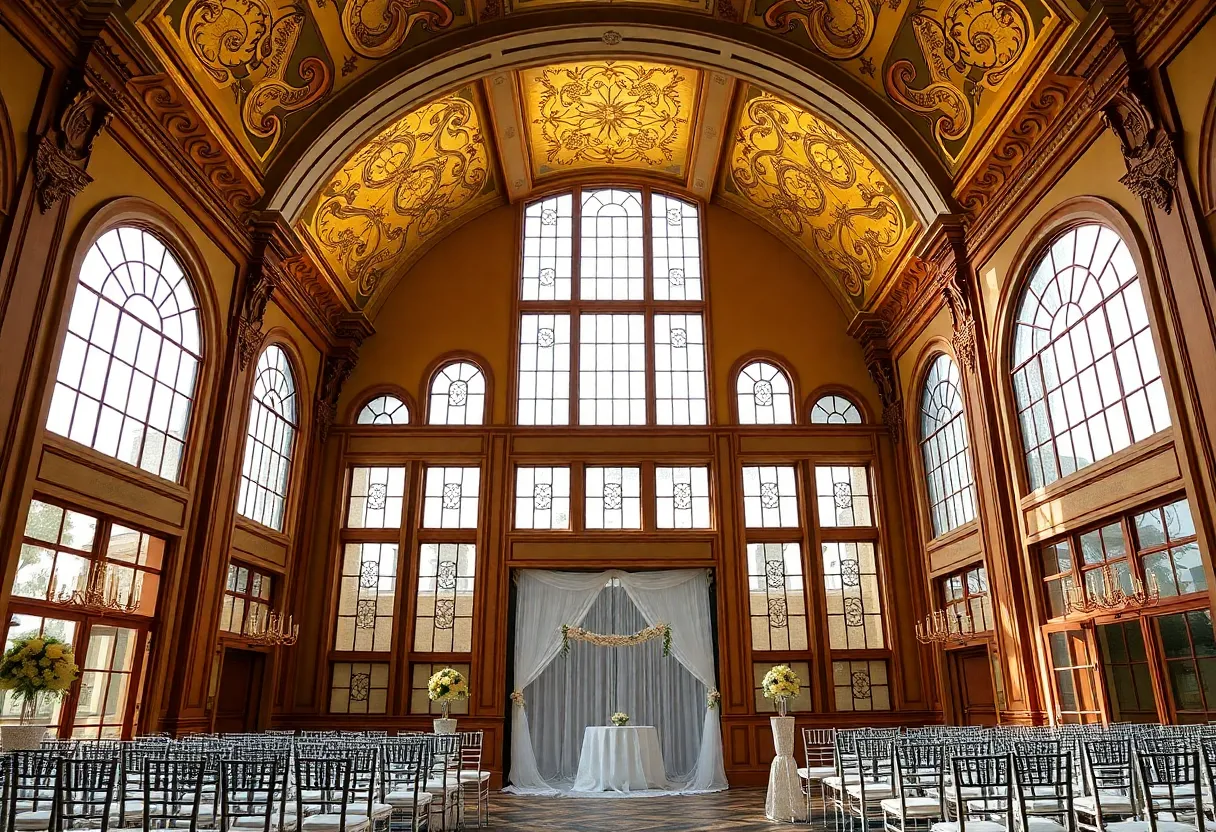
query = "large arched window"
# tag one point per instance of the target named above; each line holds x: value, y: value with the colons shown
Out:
x: 943, y: 443
x: 1085, y: 373
x: 130, y: 361
x: 765, y: 395
x: 458, y: 395
x: 384, y: 410
x: 270, y: 440
x: 834, y: 409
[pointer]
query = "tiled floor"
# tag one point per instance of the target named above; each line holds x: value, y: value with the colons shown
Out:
x: 737, y: 810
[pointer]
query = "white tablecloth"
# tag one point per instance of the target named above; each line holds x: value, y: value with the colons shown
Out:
x: 620, y: 760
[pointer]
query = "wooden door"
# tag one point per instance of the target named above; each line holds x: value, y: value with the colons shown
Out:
x: 974, y: 694
x: 240, y: 695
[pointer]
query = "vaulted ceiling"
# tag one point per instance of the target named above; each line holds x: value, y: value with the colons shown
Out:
x: 273, y: 76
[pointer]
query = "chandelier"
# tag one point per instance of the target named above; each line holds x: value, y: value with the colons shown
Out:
x: 100, y: 592
x: 941, y: 627
x: 272, y: 631
x: 1111, y: 596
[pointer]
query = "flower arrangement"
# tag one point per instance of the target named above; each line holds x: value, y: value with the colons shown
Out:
x: 571, y: 633
x: 620, y: 719
x: 37, y: 666
x: 517, y: 697
x: 712, y: 698
x: 447, y: 686
x: 782, y: 684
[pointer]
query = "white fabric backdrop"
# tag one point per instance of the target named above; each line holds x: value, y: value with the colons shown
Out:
x: 591, y: 682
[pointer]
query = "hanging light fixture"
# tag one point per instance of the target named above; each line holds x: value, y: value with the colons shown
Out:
x: 942, y: 627
x: 273, y: 631
x: 100, y: 592
x: 1111, y: 596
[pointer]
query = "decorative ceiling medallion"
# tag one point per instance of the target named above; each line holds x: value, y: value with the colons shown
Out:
x: 797, y: 173
x: 609, y: 115
x: 419, y: 177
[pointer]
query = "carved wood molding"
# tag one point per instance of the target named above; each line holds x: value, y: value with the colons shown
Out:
x: 339, y: 363
x: 871, y: 331
x: 62, y: 156
x: 909, y: 299
x: 1148, y: 148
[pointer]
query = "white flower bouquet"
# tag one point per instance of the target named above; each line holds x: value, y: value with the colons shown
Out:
x: 781, y: 684
x: 620, y: 719
x: 447, y: 686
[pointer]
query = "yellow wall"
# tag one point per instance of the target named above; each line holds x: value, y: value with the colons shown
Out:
x: 1192, y: 73
x: 20, y: 81
x: 762, y: 297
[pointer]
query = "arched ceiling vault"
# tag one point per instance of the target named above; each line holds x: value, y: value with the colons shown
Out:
x: 844, y: 125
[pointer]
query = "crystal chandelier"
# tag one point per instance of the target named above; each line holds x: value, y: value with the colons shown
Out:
x: 100, y: 592
x: 941, y: 627
x: 1111, y: 596
x: 273, y: 631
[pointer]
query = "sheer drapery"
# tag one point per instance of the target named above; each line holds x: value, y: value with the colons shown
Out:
x: 591, y: 682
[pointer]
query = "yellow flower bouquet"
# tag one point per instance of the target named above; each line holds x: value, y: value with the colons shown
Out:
x: 782, y: 684
x: 446, y: 686
x: 37, y: 666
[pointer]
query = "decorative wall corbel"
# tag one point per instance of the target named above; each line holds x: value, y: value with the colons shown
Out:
x: 339, y: 363
x: 262, y: 280
x: 1148, y: 148
x: 871, y: 331
x: 954, y: 292
x: 62, y: 157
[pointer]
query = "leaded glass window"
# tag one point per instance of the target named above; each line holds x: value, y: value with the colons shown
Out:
x: 359, y: 688
x: 770, y: 496
x: 843, y: 496
x: 861, y: 685
x: 676, y: 240
x: 613, y: 498
x: 1085, y: 373
x: 444, y: 621
x: 458, y: 395
x: 682, y: 497
x: 777, y: 596
x: 611, y: 247
x: 246, y: 604
x: 542, y: 498
x: 800, y: 703
x: 945, y: 448
x: 835, y: 410
x: 854, y: 601
x: 384, y: 410
x: 548, y: 248
x: 612, y: 370
x: 1169, y: 549
x: 130, y: 360
x: 420, y: 675
x: 544, y: 370
x: 679, y: 370
x: 450, y: 498
x: 376, y: 495
x: 765, y: 395
x: 367, y: 594
x: 270, y: 440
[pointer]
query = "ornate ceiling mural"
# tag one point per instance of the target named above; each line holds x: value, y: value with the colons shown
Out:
x: 799, y: 175
x: 263, y: 66
x: 609, y: 116
x: 404, y: 188
x: 949, y: 66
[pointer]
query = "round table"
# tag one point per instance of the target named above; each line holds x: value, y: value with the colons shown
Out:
x: 621, y: 759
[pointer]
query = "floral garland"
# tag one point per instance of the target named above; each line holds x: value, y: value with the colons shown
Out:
x: 652, y: 632
x: 712, y: 698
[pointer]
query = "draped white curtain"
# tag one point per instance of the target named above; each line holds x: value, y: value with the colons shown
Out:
x: 568, y: 696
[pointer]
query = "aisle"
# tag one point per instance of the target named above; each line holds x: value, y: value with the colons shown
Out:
x: 737, y: 810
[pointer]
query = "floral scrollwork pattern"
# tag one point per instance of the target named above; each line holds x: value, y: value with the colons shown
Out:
x: 819, y: 188
x: 400, y: 188
x: 840, y: 29
x: 376, y: 28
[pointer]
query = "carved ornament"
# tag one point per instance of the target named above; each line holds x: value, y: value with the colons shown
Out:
x: 1148, y: 148
x: 62, y: 157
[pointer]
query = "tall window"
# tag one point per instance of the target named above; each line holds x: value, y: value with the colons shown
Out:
x: 384, y: 410
x: 765, y: 395
x: 1085, y: 373
x: 458, y: 395
x: 125, y: 385
x: 614, y: 336
x: 944, y: 447
x: 270, y: 440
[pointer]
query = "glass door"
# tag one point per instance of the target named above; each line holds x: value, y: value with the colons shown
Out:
x: 109, y: 677
x: 1073, y: 677
x: 23, y: 625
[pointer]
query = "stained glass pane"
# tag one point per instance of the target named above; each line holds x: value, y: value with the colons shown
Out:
x: 450, y: 498
x: 384, y: 410
x: 420, y: 675
x: 614, y: 498
x: 458, y: 395
x: 359, y: 688
x: 544, y: 370
x: 679, y: 370
x: 444, y: 621
x: 843, y: 496
x: 854, y: 601
x: 800, y: 703
x: 548, y: 236
x: 770, y: 496
x: 764, y: 395
x: 542, y: 498
x: 367, y: 594
x: 376, y: 495
x: 861, y: 685
x: 610, y: 256
x: 777, y: 598
x: 835, y: 410
x: 612, y: 370
x: 682, y: 497
x: 676, y: 242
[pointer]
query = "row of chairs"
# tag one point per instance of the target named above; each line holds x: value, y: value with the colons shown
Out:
x: 321, y: 782
x: 1118, y: 779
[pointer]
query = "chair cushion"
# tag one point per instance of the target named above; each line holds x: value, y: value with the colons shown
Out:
x: 816, y: 773
x: 1113, y: 803
x: 380, y: 811
x: 289, y: 822
x: 834, y: 782
x: 333, y: 823
x: 404, y: 799
x: 874, y: 791
x: 33, y: 820
x: 1034, y: 824
x: 917, y: 807
x: 438, y: 786
x: 474, y: 776
x: 972, y: 826
x: 1142, y: 826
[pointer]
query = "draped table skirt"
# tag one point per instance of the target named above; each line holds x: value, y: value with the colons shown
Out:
x: 620, y: 760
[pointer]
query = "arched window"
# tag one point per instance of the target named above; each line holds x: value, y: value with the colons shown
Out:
x: 1085, y: 373
x: 835, y: 410
x: 943, y: 443
x: 270, y: 440
x: 384, y: 410
x: 765, y: 395
x: 130, y: 361
x: 458, y: 395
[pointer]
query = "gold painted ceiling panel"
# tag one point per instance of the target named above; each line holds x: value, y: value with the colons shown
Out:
x: 263, y: 66
x: 609, y: 116
x: 799, y: 175
x: 417, y: 179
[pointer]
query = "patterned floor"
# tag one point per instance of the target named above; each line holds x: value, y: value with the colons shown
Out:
x: 737, y: 810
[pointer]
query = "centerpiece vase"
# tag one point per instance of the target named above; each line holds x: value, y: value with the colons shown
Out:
x: 784, y: 802
x: 445, y: 725
x: 28, y: 735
